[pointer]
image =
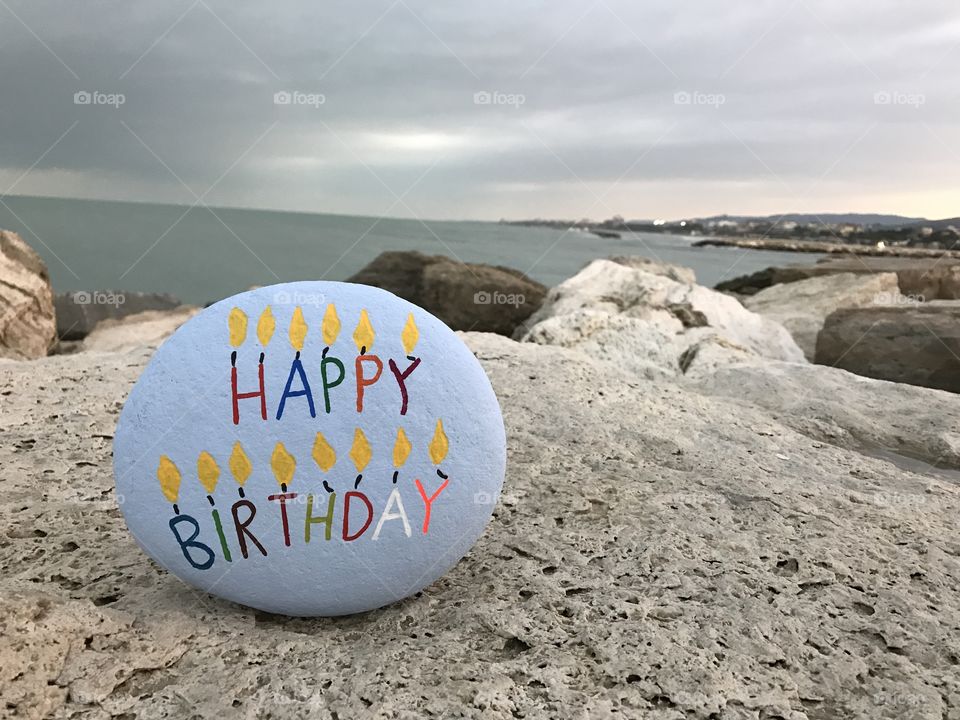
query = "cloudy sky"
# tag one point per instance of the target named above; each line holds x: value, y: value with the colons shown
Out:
x: 487, y: 110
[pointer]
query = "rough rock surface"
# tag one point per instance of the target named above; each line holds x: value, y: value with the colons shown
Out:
x: 146, y: 329
x: 801, y: 307
x: 466, y: 296
x: 79, y: 312
x: 674, y: 272
x: 914, y: 343
x: 27, y: 325
x: 648, y: 323
x: 922, y: 278
x: 662, y: 550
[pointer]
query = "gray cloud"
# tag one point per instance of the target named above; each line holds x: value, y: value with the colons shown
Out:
x: 687, y: 105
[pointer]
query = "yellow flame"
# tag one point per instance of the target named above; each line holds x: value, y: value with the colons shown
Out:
x: 331, y: 325
x: 360, y: 451
x: 283, y: 464
x: 265, y: 326
x: 208, y: 471
x: 410, y: 335
x: 169, y: 477
x: 401, y: 449
x: 439, y: 445
x: 240, y: 466
x: 323, y: 454
x: 298, y: 329
x: 237, y: 322
x: 363, y: 335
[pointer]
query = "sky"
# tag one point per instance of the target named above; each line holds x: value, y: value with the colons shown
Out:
x: 408, y: 108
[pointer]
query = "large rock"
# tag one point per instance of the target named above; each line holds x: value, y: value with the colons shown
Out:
x: 914, y: 343
x: 146, y: 329
x: 661, y: 550
x: 801, y: 307
x: 466, y: 296
x: 919, y: 278
x: 79, y: 312
x: 27, y: 324
x: 649, y: 323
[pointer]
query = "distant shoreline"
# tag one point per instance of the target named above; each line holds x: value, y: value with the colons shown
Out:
x: 830, y: 248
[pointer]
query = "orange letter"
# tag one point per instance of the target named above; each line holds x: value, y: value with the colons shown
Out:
x: 428, y: 502
x: 362, y: 382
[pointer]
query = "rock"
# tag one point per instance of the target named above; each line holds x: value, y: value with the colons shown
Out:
x: 352, y: 447
x: 674, y: 272
x: 466, y: 296
x: 802, y: 306
x: 27, y: 325
x: 79, y: 312
x: 146, y: 329
x: 919, y: 278
x: 660, y: 550
x: 647, y: 323
x: 917, y: 344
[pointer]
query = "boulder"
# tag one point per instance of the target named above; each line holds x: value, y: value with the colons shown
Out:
x: 919, y: 278
x: 146, y: 329
x: 466, y: 296
x: 79, y: 312
x: 648, y: 323
x: 802, y: 306
x: 27, y: 324
x: 911, y: 343
x: 662, y: 550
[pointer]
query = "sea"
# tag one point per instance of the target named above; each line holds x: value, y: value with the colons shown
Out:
x: 201, y: 255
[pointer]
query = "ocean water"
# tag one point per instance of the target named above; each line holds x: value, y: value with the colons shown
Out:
x: 201, y: 256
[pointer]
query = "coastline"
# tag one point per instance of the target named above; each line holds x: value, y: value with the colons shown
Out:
x: 829, y: 248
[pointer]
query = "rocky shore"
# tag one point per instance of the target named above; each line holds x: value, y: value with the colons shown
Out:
x: 697, y: 522
x: 829, y: 248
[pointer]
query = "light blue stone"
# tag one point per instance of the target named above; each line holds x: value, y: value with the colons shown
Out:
x: 182, y: 406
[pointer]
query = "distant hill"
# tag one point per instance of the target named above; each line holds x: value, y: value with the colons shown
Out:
x: 874, y: 219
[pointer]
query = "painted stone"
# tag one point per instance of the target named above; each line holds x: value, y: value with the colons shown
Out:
x: 311, y: 448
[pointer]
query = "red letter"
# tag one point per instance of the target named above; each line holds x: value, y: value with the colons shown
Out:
x: 346, y: 515
x: 362, y: 382
x: 237, y: 396
x: 283, y: 513
x: 242, y: 526
x: 428, y: 502
x: 400, y: 381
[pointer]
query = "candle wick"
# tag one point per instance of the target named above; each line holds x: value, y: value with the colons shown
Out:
x: 283, y: 487
x: 395, y: 473
x: 325, y: 350
x: 327, y: 487
x: 297, y: 356
x: 210, y: 499
x: 411, y: 358
x: 240, y: 490
x: 356, y: 483
x: 363, y: 349
x: 440, y: 473
x: 176, y: 509
x: 261, y: 358
x: 233, y: 358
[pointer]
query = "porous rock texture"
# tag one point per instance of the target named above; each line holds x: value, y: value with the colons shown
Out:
x: 27, y: 324
x: 664, y: 550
